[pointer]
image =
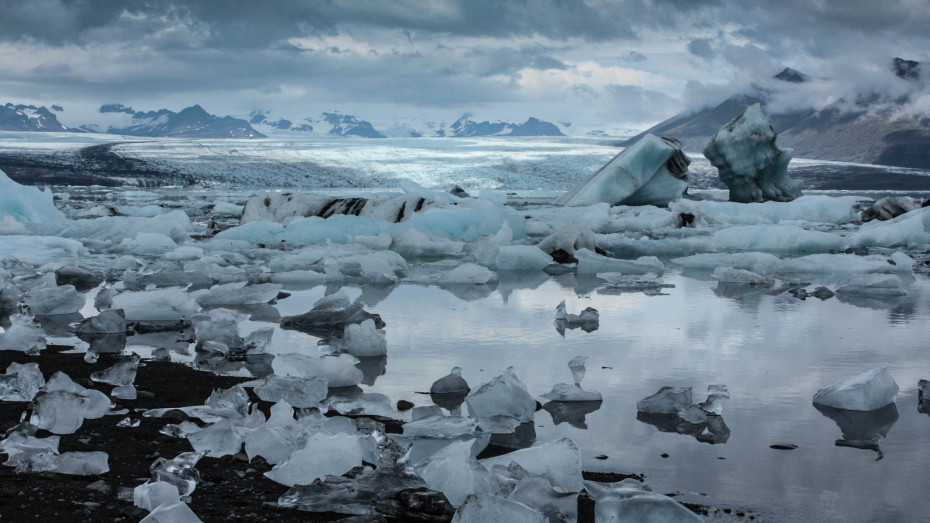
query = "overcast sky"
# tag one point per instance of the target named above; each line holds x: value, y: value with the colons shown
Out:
x: 589, y: 62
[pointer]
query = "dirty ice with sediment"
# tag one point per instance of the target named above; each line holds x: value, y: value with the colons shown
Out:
x: 463, y: 314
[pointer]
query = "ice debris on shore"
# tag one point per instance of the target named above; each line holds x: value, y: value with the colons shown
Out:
x: 870, y: 390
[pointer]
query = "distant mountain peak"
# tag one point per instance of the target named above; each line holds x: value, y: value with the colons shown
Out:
x: 190, y: 122
x: 906, y: 69
x: 116, y: 108
x: 29, y: 118
x: 791, y: 75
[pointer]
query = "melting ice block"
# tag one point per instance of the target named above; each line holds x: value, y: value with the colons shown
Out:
x: 21, y: 382
x: 322, y: 455
x: 123, y: 373
x: 297, y: 391
x: 867, y: 391
x: 504, y: 395
x: 754, y: 169
x: 150, y: 495
x: 339, y: 370
x: 488, y: 507
x: 455, y: 472
x: 236, y: 293
x: 633, y: 502
x: 558, y: 461
x: 573, y: 392
x: 592, y: 263
x: 668, y: 400
x: 110, y: 321
x: 653, y: 171
x: 174, y: 512
x: 361, y: 340
x: 48, y: 301
x: 23, y: 335
x: 169, y: 304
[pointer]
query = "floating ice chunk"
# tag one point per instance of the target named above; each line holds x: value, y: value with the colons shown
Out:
x: 812, y: 208
x: 297, y: 391
x: 110, y: 321
x: 558, y: 461
x: 778, y: 239
x: 872, y: 285
x: 236, y: 293
x: 750, y: 164
x: 227, y: 209
x: 123, y: 373
x: 82, y: 279
x: 912, y: 228
x: 889, y: 207
x: 562, y: 244
x: 451, y: 383
x: 219, y: 325
x: 862, y: 429
x: 226, y: 436
x: 633, y: 502
x: 576, y: 366
x: 104, y: 298
x: 469, y: 273
x: 26, y: 204
x: 64, y: 299
x: 717, y: 395
x: 521, y: 258
x: 653, y: 171
x: 150, y: 495
x: 668, y: 400
x: 321, y: 455
x: 329, y: 316
x: 731, y: 275
x: 588, y: 320
x: 413, y: 244
x: 365, y: 403
x: 39, y: 250
x: 147, y: 244
x: 592, y: 263
x: 23, y: 335
x: 504, y: 395
x: 571, y: 392
x: 174, y: 512
x: 867, y: 391
x: 455, y: 472
x: 170, y: 304
x: 339, y: 370
x: 21, y: 382
x: 361, y: 340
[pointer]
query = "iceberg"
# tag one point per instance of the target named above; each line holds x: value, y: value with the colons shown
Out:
x: 653, y: 171
x: 26, y: 204
x: 870, y: 390
x: 21, y: 382
x: 361, y: 340
x: 749, y: 163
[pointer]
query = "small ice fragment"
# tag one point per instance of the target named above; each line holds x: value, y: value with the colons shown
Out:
x: 717, y: 395
x: 451, y: 383
x: 361, y: 340
x: 576, y: 365
x: 504, y: 395
x: 668, y: 400
x: 104, y: 298
x: 571, y: 392
x: 867, y: 391
x: 150, y: 495
x: 174, y: 512
x: 230, y: 403
x: 123, y: 373
x: 21, y: 382
x: 125, y: 392
x: 23, y: 335
x: 129, y: 423
x: 180, y: 471
x: 91, y: 357
x: 632, y: 501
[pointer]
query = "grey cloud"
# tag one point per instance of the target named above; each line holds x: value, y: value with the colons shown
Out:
x: 701, y: 47
x: 633, y: 57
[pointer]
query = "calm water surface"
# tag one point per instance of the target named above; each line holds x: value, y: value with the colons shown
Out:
x: 773, y: 352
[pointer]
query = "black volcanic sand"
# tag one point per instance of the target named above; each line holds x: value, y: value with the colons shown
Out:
x: 231, y: 488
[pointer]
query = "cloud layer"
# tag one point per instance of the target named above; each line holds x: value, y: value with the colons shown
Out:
x: 634, y: 61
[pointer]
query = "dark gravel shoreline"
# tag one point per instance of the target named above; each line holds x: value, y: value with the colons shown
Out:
x: 231, y: 488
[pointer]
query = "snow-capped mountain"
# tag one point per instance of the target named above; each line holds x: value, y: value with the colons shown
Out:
x: 348, y: 125
x: 192, y: 122
x: 867, y: 129
x: 465, y: 126
x: 30, y: 118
